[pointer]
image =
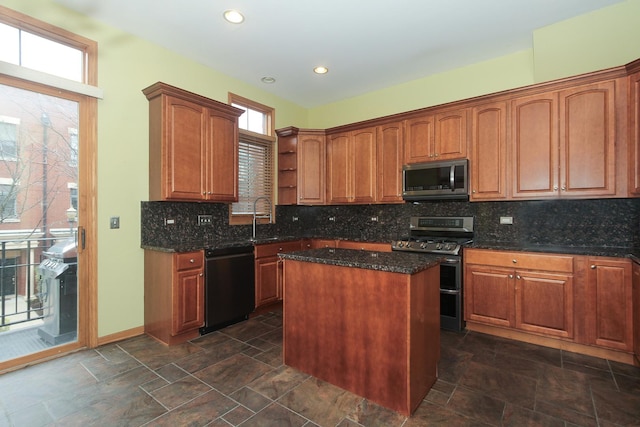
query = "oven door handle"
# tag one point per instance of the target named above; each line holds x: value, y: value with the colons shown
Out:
x: 449, y: 261
x: 449, y: 292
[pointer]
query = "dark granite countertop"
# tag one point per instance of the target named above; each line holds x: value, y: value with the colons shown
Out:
x: 609, y: 251
x: 218, y: 244
x: 393, y: 262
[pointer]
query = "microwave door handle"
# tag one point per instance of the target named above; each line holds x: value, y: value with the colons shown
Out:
x: 452, y: 178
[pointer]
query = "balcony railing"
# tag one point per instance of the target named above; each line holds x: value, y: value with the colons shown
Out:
x: 21, y: 294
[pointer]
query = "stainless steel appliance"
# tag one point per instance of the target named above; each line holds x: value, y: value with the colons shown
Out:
x: 58, y: 292
x: 446, y: 236
x: 435, y: 180
x: 229, y: 286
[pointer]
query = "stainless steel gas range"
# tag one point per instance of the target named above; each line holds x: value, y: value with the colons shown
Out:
x: 445, y: 236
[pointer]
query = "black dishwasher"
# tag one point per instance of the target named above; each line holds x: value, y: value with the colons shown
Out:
x: 229, y: 286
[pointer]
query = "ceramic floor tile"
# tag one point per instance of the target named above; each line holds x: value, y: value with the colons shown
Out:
x: 198, y: 412
x: 247, y: 330
x: 320, y: 402
x: 251, y: 399
x: 432, y: 415
x: 515, y: 416
x: 276, y: 383
x: 372, y: 415
x: 179, y: 392
x: 275, y: 415
x: 500, y: 384
x: 477, y: 405
x: 233, y: 373
x: 567, y: 389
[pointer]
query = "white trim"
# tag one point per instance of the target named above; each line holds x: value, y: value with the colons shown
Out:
x: 50, y: 80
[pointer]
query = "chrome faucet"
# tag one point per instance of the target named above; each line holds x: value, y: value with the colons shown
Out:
x: 256, y: 216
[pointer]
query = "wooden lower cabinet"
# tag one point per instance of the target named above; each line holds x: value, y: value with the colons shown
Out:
x: 173, y: 295
x: 609, y: 297
x: 585, y: 302
x: 532, y: 301
x: 268, y: 270
x: 636, y: 311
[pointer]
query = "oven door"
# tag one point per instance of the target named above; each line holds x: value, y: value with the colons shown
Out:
x: 451, y: 294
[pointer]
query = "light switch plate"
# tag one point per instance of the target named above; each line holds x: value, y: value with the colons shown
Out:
x: 114, y: 222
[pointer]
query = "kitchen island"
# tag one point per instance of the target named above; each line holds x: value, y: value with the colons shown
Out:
x: 368, y: 322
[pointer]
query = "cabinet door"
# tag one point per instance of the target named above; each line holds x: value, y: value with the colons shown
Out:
x: 489, y: 295
x: 587, y: 140
x: 338, y: 169
x: 534, y: 138
x: 268, y: 289
x: 634, y: 134
x: 418, y: 145
x: 188, y: 301
x: 488, y: 162
x: 636, y: 309
x: 610, y: 295
x: 222, y: 158
x: 363, y: 169
x: 311, y: 169
x: 389, y: 163
x: 544, y: 303
x: 451, y: 135
x: 184, y: 151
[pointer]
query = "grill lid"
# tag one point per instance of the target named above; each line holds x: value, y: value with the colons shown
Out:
x: 64, y: 249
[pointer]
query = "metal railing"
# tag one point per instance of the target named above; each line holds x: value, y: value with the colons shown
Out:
x: 20, y: 282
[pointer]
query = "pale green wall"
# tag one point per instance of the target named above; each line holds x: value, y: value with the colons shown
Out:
x: 601, y: 39
x: 128, y: 64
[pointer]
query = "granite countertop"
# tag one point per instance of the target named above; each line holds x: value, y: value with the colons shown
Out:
x: 393, y: 262
x: 218, y: 244
x: 608, y: 251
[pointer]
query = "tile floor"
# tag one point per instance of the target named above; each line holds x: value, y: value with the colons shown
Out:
x: 235, y: 377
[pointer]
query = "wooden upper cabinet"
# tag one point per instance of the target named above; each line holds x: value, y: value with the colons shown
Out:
x: 451, y: 135
x: 389, y: 162
x: 418, y: 145
x: 488, y: 157
x: 563, y: 143
x: 351, y: 167
x: 301, y: 166
x: 534, y: 144
x: 193, y: 146
x: 311, y: 168
x: 587, y: 140
x: 634, y: 134
x: 434, y: 137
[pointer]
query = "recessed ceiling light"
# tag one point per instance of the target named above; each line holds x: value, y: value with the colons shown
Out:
x: 268, y: 80
x: 321, y: 70
x: 233, y: 16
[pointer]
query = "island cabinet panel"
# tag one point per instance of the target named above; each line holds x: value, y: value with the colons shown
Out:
x: 373, y: 333
x: 636, y: 311
x: 193, y: 146
x: 488, y: 157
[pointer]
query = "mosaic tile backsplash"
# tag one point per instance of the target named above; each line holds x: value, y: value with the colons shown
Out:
x: 603, y: 222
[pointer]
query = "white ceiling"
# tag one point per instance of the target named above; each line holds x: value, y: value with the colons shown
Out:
x: 366, y: 44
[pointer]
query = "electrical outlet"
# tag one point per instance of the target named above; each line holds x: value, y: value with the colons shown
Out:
x: 294, y: 219
x: 114, y: 222
x: 506, y: 220
x: 169, y: 221
x: 205, y: 220
x: 332, y: 218
x: 374, y: 219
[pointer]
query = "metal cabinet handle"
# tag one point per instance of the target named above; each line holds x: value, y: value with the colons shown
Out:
x: 279, y: 249
x: 518, y: 277
x: 564, y: 188
x: 201, y: 274
x: 515, y: 261
x: 192, y: 260
x: 511, y: 276
x: 555, y: 188
x: 593, y: 267
x: 473, y: 191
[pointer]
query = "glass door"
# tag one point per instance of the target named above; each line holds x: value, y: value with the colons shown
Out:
x: 39, y: 134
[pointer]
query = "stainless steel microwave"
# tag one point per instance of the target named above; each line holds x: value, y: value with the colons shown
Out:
x: 435, y: 180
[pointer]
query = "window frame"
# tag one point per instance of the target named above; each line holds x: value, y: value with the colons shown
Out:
x: 268, y: 138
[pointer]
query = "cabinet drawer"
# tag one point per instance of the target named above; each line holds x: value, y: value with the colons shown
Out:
x: 520, y: 260
x: 271, y: 249
x: 189, y: 260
